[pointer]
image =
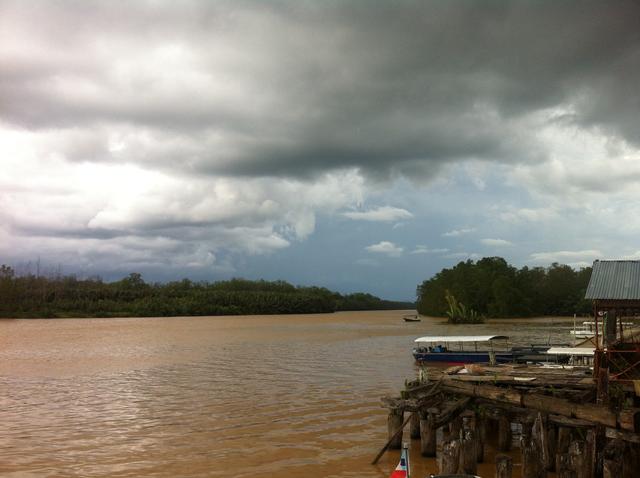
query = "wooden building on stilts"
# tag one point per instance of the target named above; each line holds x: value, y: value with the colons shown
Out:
x: 574, y: 421
x: 614, y: 290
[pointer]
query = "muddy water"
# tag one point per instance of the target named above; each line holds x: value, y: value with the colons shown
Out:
x: 261, y: 396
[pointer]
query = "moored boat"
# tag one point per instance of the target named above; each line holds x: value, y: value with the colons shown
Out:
x: 403, y: 470
x: 588, y: 329
x: 572, y: 355
x: 537, y: 353
x: 451, y: 349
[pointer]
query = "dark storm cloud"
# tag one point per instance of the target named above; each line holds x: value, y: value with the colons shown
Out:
x: 294, y: 89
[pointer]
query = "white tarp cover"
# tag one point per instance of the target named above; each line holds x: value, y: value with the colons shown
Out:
x: 460, y: 338
x: 570, y: 351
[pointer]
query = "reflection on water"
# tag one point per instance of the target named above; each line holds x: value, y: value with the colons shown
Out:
x: 212, y: 396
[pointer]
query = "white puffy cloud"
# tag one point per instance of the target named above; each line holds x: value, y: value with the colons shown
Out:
x: 459, y: 232
x: 496, y: 242
x: 387, y: 248
x: 128, y: 214
x: 532, y: 215
x: 380, y: 214
x: 420, y: 249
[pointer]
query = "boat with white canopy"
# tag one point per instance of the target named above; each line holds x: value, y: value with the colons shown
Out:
x: 573, y: 355
x: 463, y: 349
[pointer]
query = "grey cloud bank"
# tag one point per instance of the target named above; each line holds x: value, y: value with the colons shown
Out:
x: 199, y: 135
x: 292, y: 89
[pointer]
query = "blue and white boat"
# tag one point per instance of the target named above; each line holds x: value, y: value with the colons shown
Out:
x: 461, y: 349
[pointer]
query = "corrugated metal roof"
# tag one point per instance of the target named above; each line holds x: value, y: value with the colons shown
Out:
x: 615, y: 280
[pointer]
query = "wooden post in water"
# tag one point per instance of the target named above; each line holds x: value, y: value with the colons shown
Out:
x: 394, y: 423
x: 455, y: 426
x: 481, y: 436
x: 613, y: 459
x: 552, y: 446
x: 562, y: 448
x: 531, y: 447
x: 590, y: 453
x: 428, y: 432
x: 450, y: 457
x: 578, y: 458
x: 564, y: 468
x: 415, y: 425
x: 468, y: 452
x: 504, y: 433
x: 504, y: 466
x: 631, y: 462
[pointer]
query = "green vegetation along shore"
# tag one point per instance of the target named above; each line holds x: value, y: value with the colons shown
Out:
x: 493, y: 288
x: 67, y: 296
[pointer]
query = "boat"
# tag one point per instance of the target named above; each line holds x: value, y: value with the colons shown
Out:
x: 411, y: 318
x: 572, y: 355
x: 588, y: 329
x: 403, y: 470
x: 451, y: 349
x: 537, y: 353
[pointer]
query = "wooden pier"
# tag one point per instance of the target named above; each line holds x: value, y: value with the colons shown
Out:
x: 565, y: 427
x: 578, y: 422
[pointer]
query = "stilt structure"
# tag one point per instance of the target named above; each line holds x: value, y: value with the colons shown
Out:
x: 578, y: 422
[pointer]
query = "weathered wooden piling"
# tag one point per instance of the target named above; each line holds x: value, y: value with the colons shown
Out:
x: 552, y: 446
x: 468, y: 452
x: 578, y: 458
x: 504, y: 466
x: 454, y: 428
x: 504, y: 433
x: 590, y: 453
x: 631, y: 462
x: 450, y: 460
x: 563, y: 463
x: 414, y: 429
x: 613, y: 460
x: 532, y: 450
x: 563, y: 428
x: 564, y: 468
x: 394, y: 426
x: 481, y: 436
x: 428, y: 432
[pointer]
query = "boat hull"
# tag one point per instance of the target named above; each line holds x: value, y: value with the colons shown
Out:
x: 462, y: 357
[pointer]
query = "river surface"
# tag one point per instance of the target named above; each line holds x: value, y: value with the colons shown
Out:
x: 248, y: 396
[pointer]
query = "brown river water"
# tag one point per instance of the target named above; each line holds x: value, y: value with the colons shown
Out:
x: 249, y: 396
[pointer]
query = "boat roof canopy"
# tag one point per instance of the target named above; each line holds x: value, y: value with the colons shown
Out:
x: 570, y: 351
x: 460, y: 338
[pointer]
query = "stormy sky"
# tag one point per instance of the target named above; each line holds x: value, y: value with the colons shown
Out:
x: 356, y: 145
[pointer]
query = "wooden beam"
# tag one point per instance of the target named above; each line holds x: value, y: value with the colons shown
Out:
x: 622, y: 435
x: 451, y: 411
x: 543, y: 403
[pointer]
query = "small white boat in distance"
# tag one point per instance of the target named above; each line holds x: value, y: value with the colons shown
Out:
x: 588, y: 329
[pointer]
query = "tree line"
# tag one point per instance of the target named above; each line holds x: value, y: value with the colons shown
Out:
x: 31, y: 295
x: 493, y: 288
